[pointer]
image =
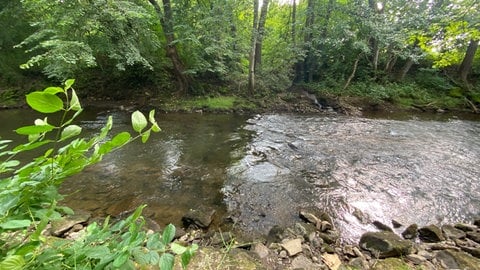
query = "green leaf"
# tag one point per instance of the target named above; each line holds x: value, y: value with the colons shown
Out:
x: 30, y: 146
x: 166, y: 261
x: 139, y: 122
x: 156, y: 128
x: 178, y: 249
x: 70, y: 131
x: 74, y: 102
x: 120, y: 260
x: 97, y: 252
x: 31, y: 130
x: 154, y: 242
x: 187, y: 256
x: 10, y: 163
x: 151, y: 117
x: 53, y: 90
x: 44, y: 102
x: 69, y: 83
x: 12, y: 262
x: 15, y: 224
x: 168, y: 234
x: 120, y: 139
x: 145, y: 136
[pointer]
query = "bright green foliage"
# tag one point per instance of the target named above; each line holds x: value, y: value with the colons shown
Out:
x: 29, y: 195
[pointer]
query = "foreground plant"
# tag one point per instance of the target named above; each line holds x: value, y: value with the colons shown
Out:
x: 29, y: 195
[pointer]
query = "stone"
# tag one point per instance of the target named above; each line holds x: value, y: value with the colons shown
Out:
x: 476, y: 222
x: 453, y: 233
x: 325, y: 226
x: 302, y: 262
x: 385, y: 244
x: 300, y: 230
x: 382, y: 226
x: 261, y: 250
x: 293, y: 246
x: 359, y: 263
x: 466, y: 227
x: 309, y: 217
x: 198, y: 218
x: 411, y: 232
x: 275, y: 235
x: 329, y: 238
x: 431, y: 234
x: 389, y: 264
x: 457, y: 260
x: 396, y: 224
x: 415, y: 258
x: 475, y: 236
x: 332, y: 261
x: 475, y: 252
x: 60, y: 226
x: 348, y: 250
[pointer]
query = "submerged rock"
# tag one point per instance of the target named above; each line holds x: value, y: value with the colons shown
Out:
x: 200, y: 218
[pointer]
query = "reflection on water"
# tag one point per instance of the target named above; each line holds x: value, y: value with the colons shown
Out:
x: 357, y: 169
x: 263, y: 169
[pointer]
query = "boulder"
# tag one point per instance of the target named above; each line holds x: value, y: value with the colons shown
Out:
x: 431, y: 234
x: 381, y: 226
x: 385, y: 244
x: 457, y: 260
x: 411, y: 232
x: 293, y: 246
x: 198, y: 218
x: 475, y: 236
x: 466, y: 227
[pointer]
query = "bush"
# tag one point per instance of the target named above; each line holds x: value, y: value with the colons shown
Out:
x: 29, y: 195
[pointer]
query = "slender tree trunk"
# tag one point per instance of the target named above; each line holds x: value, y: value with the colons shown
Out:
x: 309, y: 60
x: 294, y: 22
x: 354, y: 70
x: 251, y: 65
x: 260, y: 34
x: 404, y: 70
x: 166, y: 20
x: 467, y: 62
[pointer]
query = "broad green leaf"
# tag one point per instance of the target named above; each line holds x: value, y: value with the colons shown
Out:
x: 12, y: 262
x: 187, y: 256
x: 139, y: 122
x: 166, y: 261
x: 31, y: 130
x: 120, y: 139
x: 7, y: 201
x: 30, y: 146
x: 120, y: 260
x: 74, y: 102
x: 154, y: 242
x: 70, y: 131
x: 151, y: 117
x: 145, y: 136
x: 178, y: 249
x: 10, y: 163
x: 16, y: 224
x: 69, y: 83
x: 168, y: 234
x: 44, y: 102
x: 53, y: 90
x: 97, y: 252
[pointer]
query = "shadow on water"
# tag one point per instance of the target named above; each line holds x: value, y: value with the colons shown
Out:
x: 260, y: 171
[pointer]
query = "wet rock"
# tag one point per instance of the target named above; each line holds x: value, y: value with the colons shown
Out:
x: 389, y: 264
x: 275, y: 235
x: 475, y: 236
x: 475, y: 252
x: 431, y: 234
x: 476, y: 222
x: 466, y: 227
x: 348, y: 250
x: 332, y: 261
x: 411, y: 232
x: 309, y: 216
x: 385, y: 244
x: 261, y: 250
x: 415, y: 258
x: 198, y: 218
x: 325, y: 226
x: 293, y: 247
x: 453, y: 233
x: 379, y: 225
x: 363, y: 218
x: 396, y: 224
x: 457, y: 260
x: 60, y: 226
x: 329, y: 238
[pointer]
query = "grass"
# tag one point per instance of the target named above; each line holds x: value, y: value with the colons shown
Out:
x: 218, y: 103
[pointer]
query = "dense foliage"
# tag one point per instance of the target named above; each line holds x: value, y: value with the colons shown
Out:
x: 199, y: 47
x: 29, y: 195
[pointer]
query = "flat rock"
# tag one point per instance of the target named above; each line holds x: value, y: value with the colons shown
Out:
x: 385, y: 244
x: 261, y: 250
x: 466, y: 227
x: 453, y: 233
x: 475, y: 236
x: 60, y: 226
x: 332, y: 261
x: 293, y: 247
x: 302, y: 262
x: 457, y: 260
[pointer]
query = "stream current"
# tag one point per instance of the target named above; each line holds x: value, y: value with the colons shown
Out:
x: 260, y: 170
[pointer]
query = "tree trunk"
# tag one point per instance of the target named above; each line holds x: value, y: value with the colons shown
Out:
x: 260, y: 33
x: 406, y: 67
x: 467, y: 62
x: 251, y: 65
x: 166, y: 20
x: 310, y: 58
x: 294, y: 24
x: 354, y: 70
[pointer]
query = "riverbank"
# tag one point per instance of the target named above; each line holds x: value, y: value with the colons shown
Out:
x: 314, y: 243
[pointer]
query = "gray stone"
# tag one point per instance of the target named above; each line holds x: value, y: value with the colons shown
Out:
x: 261, y: 250
x: 60, y: 226
x: 411, y: 232
x: 309, y: 216
x: 475, y: 252
x: 415, y: 258
x: 302, y: 262
x: 457, y: 260
x: 330, y: 238
x: 453, y: 233
x: 396, y: 224
x: 293, y: 247
x: 379, y: 225
x: 385, y: 244
x: 431, y: 234
x: 325, y: 226
x: 199, y: 218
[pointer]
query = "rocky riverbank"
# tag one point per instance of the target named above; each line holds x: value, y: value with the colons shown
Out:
x: 314, y: 243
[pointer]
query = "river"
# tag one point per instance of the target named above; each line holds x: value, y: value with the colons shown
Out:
x: 260, y: 170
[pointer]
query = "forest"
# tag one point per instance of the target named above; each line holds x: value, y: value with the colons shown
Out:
x: 410, y: 52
